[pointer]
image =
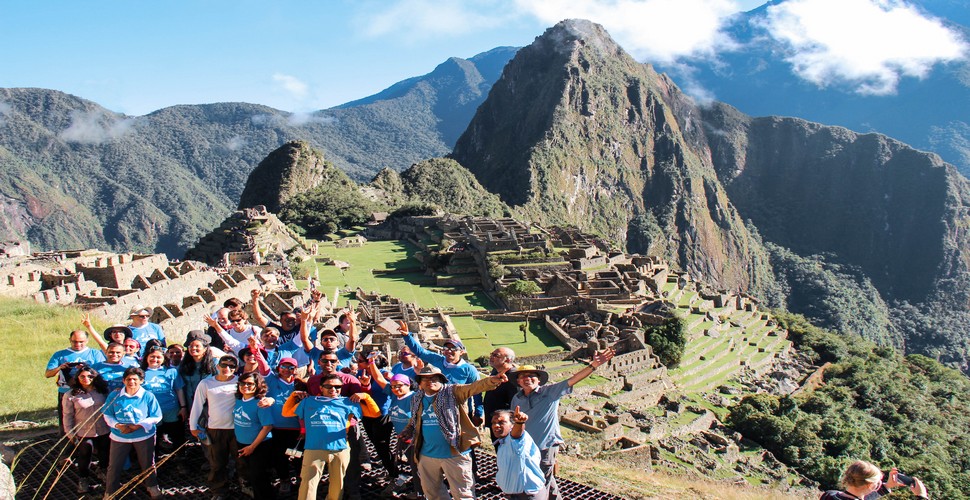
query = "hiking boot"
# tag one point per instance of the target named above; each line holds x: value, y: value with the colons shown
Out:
x: 83, y: 485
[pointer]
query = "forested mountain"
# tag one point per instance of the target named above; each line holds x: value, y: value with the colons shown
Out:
x: 73, y: 174
x: 928, y: 113
x: 861, y: 232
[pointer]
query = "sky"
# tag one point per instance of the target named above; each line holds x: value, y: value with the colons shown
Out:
x: 135, y: 57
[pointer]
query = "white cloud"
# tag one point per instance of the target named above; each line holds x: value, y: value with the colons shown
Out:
x: 422, y: 19
x: 95, y: 127
x: 292, y: 85
x: 650, y: 30
x: 236, y: 142
x: 869, y: 44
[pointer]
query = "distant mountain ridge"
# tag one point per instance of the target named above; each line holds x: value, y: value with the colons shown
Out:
x: 929, y: 114
x: 74, y: 174
x: 859, y: 231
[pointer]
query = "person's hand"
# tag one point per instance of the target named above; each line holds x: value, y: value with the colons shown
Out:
x: 357, y: 398
x: 364, y: 379
x: 211, y: 322
x: 518, y: 417
x: 86, y: 320
x: 265, y: 402
x: 402, y: 328
x: 315, y: 295
x: 499, y: 378
x: 893, y: 481
x: 305, y: 315
x: 918, y: 488
x: 602, y: 357
x: 195, y: 432
x: 300, y: 395
x: 477, y: 421
x: 254, y: 343
x: 184, y: 413
x: 254, y: 293
x: 245, y: 451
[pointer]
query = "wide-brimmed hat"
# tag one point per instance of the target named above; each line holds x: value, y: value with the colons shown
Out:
x: 119, y: 327
x: 431, y: 371
x: 542, y: 374
x: 140, y: 309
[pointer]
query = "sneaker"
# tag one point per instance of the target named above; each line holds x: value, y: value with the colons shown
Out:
x: 83, y: 485
x: 154, y: 492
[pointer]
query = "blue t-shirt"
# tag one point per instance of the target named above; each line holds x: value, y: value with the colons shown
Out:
x: 87, y: 356
x: 434, y: 444
x: 325, y: 420
x: 249, y: 419
x: 112, y: 374
x: 399, y: 410
x: 145, y: 333
x: 163, y: 383
x: 280, y: 390
x: 139, y: 409
x: 399, y: 369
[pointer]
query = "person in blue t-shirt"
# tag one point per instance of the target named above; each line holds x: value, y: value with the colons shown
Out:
x: 114, y: 366
x: 131, y: 413
x: 326, y: 419
x: 286, y: 430
x: 329, y: 340
x: 65, y: 362
x: 253, y: 426
x: 143, y: 330
x: 165, y: 383
x: 398, y: 413
x: 378, y: 429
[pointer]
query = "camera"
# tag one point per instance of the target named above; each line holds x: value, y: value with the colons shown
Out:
x: 294, y: 452
x: 902, y: 478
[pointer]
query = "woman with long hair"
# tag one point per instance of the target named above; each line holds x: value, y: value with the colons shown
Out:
x: 132, y: 412
x: 166, y: 384
x: 197, y: 363
x: 863, y: 480
x: 83, y: 407
x: 252, y: 426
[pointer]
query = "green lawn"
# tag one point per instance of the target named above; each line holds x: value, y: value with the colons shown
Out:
x: 481, y: 336
x: 409, y: 286
x: 30, y: 333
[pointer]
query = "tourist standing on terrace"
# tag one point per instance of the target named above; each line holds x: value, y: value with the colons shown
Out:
x: 864, y: 480
x: 165, y: 383
x: 83, y: 423
x: 443, y: 434
x: 197, y: 364
x: 541, y: 403
x: 329, y: 340
x: 408, y: 364
x: 327, y: 419
x: 501, y: 360
x: 289, y: 325
x: 452, y: 366
x: 286, y: 430
x: 113, y: 367
x: 217, y: 431
x: 65, y: 361
x: 252, y: 427
x: 236, y: 335
x: 143, y: 330
x: 517, y: 457
x: 132, y: 413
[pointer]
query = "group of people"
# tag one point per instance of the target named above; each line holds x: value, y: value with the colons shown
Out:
x: 286, y: 396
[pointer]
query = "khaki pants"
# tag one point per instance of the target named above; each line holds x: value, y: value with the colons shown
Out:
x: 313, y: 464
x: 458, y: 470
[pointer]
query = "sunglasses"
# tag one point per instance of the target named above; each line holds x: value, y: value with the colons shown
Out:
x: 227, y: 365
x: 87, y: 376
x: 328, y: 339
x: 144, y: 315
x: 329, y: 361
x: 156, y: 348
x: 328, y: 386
x: 398, y: 386
x: 287, y: 367
x: 237, y: 321
x: 451, y: 349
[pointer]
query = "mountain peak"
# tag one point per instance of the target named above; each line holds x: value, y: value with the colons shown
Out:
x: 565, y: 33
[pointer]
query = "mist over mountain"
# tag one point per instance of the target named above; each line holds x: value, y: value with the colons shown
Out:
x: 859, y: 231
x: 761, y: 77
x: 74, y: 174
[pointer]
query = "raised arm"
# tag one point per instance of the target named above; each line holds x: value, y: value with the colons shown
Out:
x: 414, y: 346
x: 255, y: 347
x: 352, y: 334
x: 231, y: 343
x: 305, y: 331
x: 598, y: 359
x: 518, y: 423
x: 375, y: 372
x: 92, y: 333
x: 257, y: 315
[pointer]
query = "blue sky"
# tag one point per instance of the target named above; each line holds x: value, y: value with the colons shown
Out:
x: 137, y: 56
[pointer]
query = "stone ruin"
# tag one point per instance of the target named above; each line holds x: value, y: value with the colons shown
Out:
x: 247, y: 237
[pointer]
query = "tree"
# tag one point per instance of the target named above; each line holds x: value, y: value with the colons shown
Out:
x: 521, y: 288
